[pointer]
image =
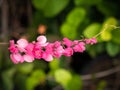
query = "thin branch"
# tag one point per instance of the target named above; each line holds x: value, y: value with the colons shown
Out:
x: 101, y: 74
x: 105, y: 28
x: 3, y: 43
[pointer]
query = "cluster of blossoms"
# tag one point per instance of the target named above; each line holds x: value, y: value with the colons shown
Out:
x: 24, y: 51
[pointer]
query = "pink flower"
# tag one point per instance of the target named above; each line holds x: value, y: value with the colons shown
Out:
x: 37, y: 52
x: 67, y: 42
x: 75, y: 42
x: 21, y: 44
x: 42, y: 40
x: 68, y: 52
x: 28, y: 58
x: 16, y: 58
x: 91, y: 41
x: 58, y: 52
x: 29, y: 49
x: 48, y: 57
x: 13, y: 48
x: 79, y: 47
x: 49, y: 48
x: 57, y: 49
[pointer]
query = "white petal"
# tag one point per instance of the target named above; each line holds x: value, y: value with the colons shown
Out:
x: 22, y: 43
x: 28, y: 58
x: 41, y: 39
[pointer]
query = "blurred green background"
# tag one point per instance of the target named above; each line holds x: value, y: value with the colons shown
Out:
x: 57, y: 19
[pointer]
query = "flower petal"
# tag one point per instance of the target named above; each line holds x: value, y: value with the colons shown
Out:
x: 41, y: 39
x: 22, y: 43
x: 28, y: 58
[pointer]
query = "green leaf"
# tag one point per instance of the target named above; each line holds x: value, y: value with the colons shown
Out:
x: 69, y: 31
x: 73, y: 20
x: 76, y: 16
x: 108, y: 8
x: 107, y: 28
x: 75, y: 83
x: 37, y: 77
x: 26, y: 68
x: 106, y: 36
x: 7, y: 77
x: 112, y: 49
x: 87, y: 2
x: 116, y: 36
x: 110, y: 21
x: 101, y: 86
x: 54, y: 64
x: 39, y: 4
x: 63, y: 76
x: 50, y: 8
x: 92, y: 30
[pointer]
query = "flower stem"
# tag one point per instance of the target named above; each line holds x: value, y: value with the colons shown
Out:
x: 105, y: 28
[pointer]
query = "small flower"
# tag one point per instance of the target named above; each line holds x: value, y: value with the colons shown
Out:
x: 68, y: 52
x: 91, y: 41
x: 79, y: 47
x: 13, y: 48
x: 28, y: 58
x: 29, y: 49
x: 21, y: 44
x: 41, y: 39
x: 67, y: 42
x: 58, y: 52
x: 16, y: 58
x: 47, y: 57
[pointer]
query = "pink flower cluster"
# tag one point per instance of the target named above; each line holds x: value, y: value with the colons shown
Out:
x: 24, y: 51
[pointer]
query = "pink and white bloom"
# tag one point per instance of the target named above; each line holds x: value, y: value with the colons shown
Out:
x: 79, y: 47
x: 48, y: 57
x: 13, y: 48
x: 67, y: 42
x: 16, y: 58
x: 21, y: 44
x: 91, y: 41
x: 68, y: 52
x: 41, y: 49
x: 29, y: 49
x: 42, y: 40
x: 58, y: 52
x: 28, y: 58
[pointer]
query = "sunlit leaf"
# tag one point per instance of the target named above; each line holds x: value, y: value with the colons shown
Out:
x: 54, y: 64
x: 112, y: 49
x: 63, y: 76
x: 76, y: 16
x: 110, y: 21
x: 75, y: 83
x: 69, y: 31
x: 106, y: 36
x: 37, y: 77
x: 26, y: 68
x: 92, y: 30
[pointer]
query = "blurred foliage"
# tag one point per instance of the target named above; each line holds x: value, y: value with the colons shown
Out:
x: 64, y: 18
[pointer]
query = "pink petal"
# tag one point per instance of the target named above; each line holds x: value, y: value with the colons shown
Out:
x: 22, y: 43
x: 48, y: 58
x: 28, y: 58
x: 41, y: 39
x: 16, y: 58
